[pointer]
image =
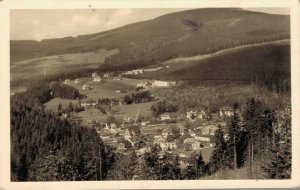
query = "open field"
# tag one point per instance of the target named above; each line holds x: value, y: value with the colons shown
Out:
x: 131, y: 110
x: 34, y: 68
x: 118, y: 111
x: 53, y: 104
x: 108, y: 88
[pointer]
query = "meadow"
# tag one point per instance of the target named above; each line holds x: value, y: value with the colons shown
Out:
x: 53, y: 104
x: 34, y: 68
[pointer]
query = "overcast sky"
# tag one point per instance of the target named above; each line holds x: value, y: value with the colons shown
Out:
x: 44, y: 24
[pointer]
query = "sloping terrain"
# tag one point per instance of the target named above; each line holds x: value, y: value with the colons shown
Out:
x: 51, y: 65
x: 269, y: 62
x: 177, y: 34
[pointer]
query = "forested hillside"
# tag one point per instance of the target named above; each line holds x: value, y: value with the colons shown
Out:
x: 266, y: 65
x: 46, y: 148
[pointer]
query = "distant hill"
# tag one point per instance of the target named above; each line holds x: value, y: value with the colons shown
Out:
x: 177, y: 34
x: 267, y: 64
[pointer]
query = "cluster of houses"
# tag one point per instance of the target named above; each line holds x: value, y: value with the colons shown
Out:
x: 140, y: 71
x: 192, y: 115
x: 197, y: 114
x: 187, y: 141
x: 94, y: 79
x: 156, y: 83
x: 134, y: 72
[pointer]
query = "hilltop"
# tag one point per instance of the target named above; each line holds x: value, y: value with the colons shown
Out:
x: 176, y: 34
x: 180, y: 34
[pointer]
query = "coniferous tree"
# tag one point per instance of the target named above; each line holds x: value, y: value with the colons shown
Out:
x: 218, y: 157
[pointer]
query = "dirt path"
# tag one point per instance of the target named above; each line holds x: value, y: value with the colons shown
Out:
x: 200, y: 57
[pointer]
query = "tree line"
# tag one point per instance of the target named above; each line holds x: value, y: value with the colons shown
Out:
x: 46, y: 148
x: 263, y: 139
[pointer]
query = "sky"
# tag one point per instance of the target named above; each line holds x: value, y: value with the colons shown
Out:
x: 40, y: 24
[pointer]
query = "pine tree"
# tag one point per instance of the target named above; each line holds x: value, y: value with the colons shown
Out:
x: 218, y: 158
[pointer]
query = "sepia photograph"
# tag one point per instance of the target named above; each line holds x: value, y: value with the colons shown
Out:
x: 150, y: 94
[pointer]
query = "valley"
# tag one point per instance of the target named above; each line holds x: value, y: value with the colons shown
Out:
x: 185, y: 96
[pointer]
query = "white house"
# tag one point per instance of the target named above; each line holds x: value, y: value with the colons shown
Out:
x: 192, y: 132
x: 166, y: 132
x: 203, y: 139
x: 143, y: 84
x: 86, y: 87
x: 196, y: 145
x: 67, y: 81
x: 193, y: 114
x: 159, y: 139
x: 209, y: 130
x: 134, y: 72
x: 82, y: 80
x: 168, y: 146
x: 97, y: 79
x: 95, y: 74
x: 226, y: 112
x: 165, y: 116
x: 189, y: 140
x: 159, y: 83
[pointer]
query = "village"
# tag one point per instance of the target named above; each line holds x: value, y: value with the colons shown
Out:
x: 136, y: 128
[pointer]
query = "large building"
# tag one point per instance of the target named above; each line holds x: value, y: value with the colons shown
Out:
x: 159, y: 83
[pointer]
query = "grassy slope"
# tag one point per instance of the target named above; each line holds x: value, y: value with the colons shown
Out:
x: 34, y: 68
x: 239, y: 64
x: 177, y: 34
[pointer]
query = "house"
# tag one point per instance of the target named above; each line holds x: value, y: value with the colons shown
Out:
x: 145, y: 123
x: 158, y: 139
x: 118, y: 78
x: 143, y: 84
x: 131, y: 132
x: 202, y: 138
x: 121, y: 148
x: 226, y: 111
x: 113, y: 125
x: 95, y: 74
x: 192, y: 133
x: 86, y: 87
x: 194, y: 114
x: 97, y: 79
x: 67, y: 81
x: 82, y: 80
x: 189, y: 140
x: 196, y: 145
x: 167, y: 132
x: 182, y: 155
x: 168, y: 146
x: 113, y: 132
x: 209, y: 130
x: 134, y: 72
x: 128, y: 119
x: 158, y: 83
x: 104, y: 133
x: 106, y: 75
x: 165, y: 116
